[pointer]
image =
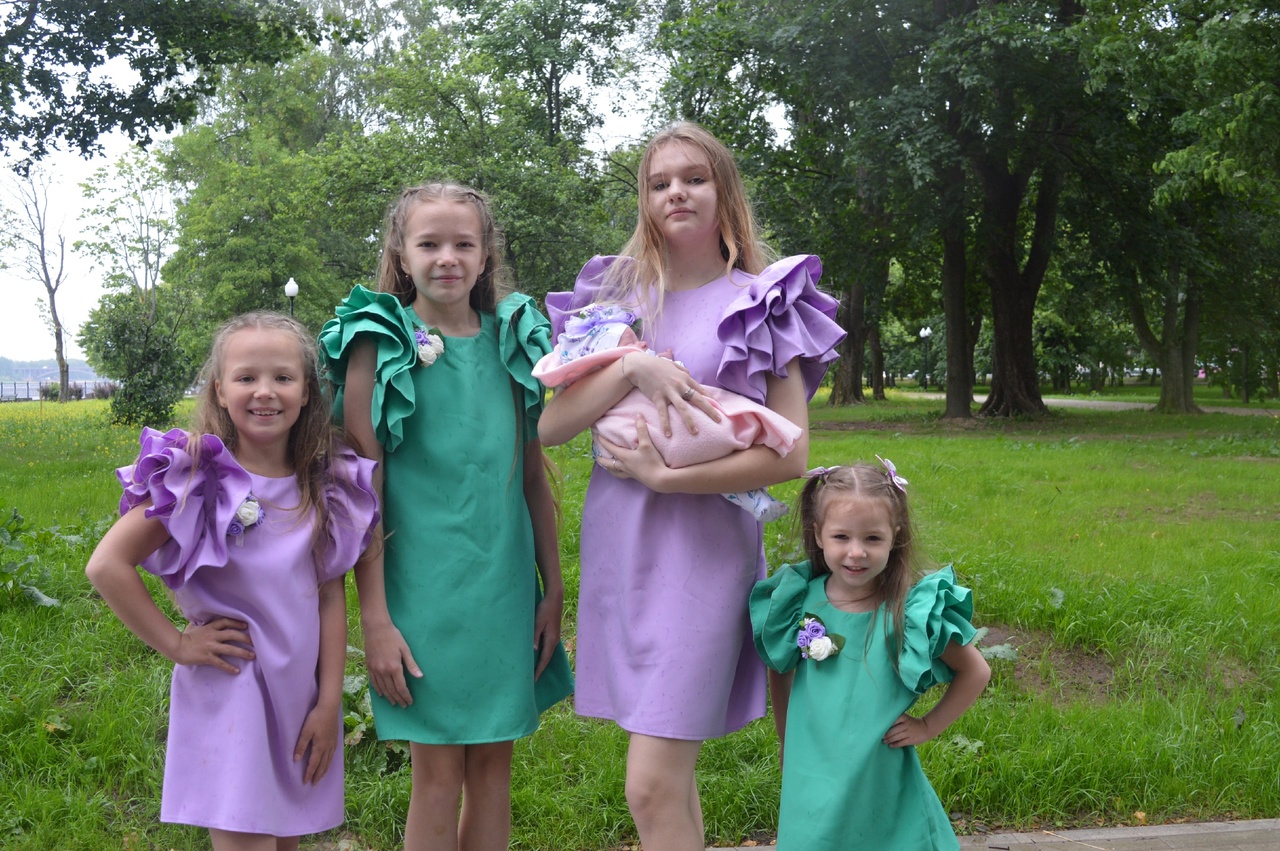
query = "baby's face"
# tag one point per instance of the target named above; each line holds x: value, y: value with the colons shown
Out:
x: 628, y: 338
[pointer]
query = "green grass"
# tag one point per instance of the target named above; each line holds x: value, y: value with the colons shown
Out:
x: 1132, y: 557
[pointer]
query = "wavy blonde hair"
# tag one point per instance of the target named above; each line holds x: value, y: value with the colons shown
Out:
x: 632, y: 284
x: 313, y: 441
x: 492, y: 284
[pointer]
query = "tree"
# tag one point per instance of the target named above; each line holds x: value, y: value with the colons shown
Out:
x: 61, y: 77
x: 42, y: 248
x: 133, y: 334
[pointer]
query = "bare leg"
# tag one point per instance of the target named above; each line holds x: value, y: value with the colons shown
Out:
x: 486, y: 798
x: 432, y: 824
x: 230, y: 840
x: 663, y: 794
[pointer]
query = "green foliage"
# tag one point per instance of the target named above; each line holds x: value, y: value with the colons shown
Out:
x: 136, y: 343
x: 52, y: 88
x: 18, y: 564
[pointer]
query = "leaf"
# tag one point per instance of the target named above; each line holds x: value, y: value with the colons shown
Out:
x: 979, y: 634
x: 1239, y: 717
x: 1056, y: 598
x: 38, y: 597
x: 1005, y: 651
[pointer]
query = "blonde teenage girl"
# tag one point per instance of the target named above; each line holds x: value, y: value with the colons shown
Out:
x: 858, y: 642
x: 462, y: 648
x: 251, y: 519
x: 664, y: 644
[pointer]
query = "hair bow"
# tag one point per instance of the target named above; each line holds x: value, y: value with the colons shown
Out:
x: 898, y: 482
x: 819, y: 472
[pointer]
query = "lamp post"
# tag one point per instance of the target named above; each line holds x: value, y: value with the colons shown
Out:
x: 925, y: 333
x: 291, y: 290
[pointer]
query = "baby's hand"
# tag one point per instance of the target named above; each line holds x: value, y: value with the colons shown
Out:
x: 320, y: 732
x: 907, y: 730
x: 206, y: 644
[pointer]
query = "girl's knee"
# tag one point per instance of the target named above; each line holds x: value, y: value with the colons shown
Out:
x: 489, y: 765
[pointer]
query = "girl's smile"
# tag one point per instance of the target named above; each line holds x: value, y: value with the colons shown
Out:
x: 444, y: 256
x: 856, y: 537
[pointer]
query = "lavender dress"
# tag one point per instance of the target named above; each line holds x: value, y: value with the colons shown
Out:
x: 664, y: 641
x: 229, y: 761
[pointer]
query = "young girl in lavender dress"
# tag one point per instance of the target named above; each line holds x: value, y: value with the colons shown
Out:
x: 463, y: 651
x: 251, y: 519
x: 664, y: 642
x: 858, y: 639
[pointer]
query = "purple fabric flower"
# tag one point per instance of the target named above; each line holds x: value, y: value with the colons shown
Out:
x: 420, y: 336
x: 236, y: 529
x: 802, y: 639
x: 814, y: 629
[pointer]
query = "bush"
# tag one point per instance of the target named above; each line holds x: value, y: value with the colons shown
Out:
x: 104, y: 389
x: 50, y: 391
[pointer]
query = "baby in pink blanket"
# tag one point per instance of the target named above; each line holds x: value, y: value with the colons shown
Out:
x: 599, y: 334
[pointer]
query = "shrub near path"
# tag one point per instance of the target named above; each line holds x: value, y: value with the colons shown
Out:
x: 1125, y: 566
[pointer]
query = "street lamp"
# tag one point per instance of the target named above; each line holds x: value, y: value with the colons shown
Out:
x: 925, y: 333
x: 291, y: 290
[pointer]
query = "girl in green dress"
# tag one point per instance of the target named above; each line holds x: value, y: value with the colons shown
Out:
x: 858, y: 643
x: 461, y: 612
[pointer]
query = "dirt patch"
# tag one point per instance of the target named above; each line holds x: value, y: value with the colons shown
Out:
x: 1065, y: 674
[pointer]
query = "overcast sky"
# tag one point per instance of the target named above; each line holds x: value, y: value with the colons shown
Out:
x: 23, y: 332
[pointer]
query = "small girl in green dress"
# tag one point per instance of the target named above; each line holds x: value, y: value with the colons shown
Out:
x: 462, y: 647
x: 857, y: 643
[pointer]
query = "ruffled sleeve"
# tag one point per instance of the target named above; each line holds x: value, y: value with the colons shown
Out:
x: 780, y: 315
x: 937, y: 612
x: 524, y: 336
x: 194, y: 492
x: 353, y: 512
x: 776, y: 606
x: 586, y: 289
x: 380, y: 318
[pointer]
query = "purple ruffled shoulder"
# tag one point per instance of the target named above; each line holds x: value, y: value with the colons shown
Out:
x: 586, y: 289
x: 353, y: 512
x: 937, y: 612
x: 195, y: 489
x: 780, y: 315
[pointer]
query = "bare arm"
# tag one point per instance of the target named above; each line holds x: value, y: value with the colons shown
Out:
x: 322, y: 728
x: 755, y: 467
x: 546, y: 550
x: 780, y: 696
x: 386, y: 653
x: 112, y: 570
x: 971, y: 677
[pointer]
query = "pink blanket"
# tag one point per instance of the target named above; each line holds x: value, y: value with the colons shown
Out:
x: 743, y: 423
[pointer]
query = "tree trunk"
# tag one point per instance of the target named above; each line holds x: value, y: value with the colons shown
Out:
x: 955, y: 310
x: 1015, y: 385
x: 1175, y: 350
x: 877, y: 364
x: 847, y: 385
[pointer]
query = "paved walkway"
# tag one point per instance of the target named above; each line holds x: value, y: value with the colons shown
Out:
x: 1258, y: 835
x: 1266, y: 409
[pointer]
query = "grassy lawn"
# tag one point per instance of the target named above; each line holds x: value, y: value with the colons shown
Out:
x: 1125, y: 564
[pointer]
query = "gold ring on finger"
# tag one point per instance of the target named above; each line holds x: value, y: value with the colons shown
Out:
x: 688, y: 394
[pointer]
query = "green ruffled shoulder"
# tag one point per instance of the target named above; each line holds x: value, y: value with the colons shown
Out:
x: 937, y: 612
x: 776, y: 605
x: 524, y: 336
x: 381, y: 318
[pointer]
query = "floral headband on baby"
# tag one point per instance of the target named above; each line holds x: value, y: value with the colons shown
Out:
x: 890, y: 470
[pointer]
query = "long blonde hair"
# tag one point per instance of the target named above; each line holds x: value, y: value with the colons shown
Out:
x: 634, y: 283
x: 492, y: 284
x: 313, y: 440
x: 871, y: 482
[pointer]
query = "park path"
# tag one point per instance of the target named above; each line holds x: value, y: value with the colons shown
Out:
x: 1264, y: 409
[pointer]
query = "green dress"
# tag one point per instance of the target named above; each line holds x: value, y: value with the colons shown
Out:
x: 461, y: 579
x: 843, y: 789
